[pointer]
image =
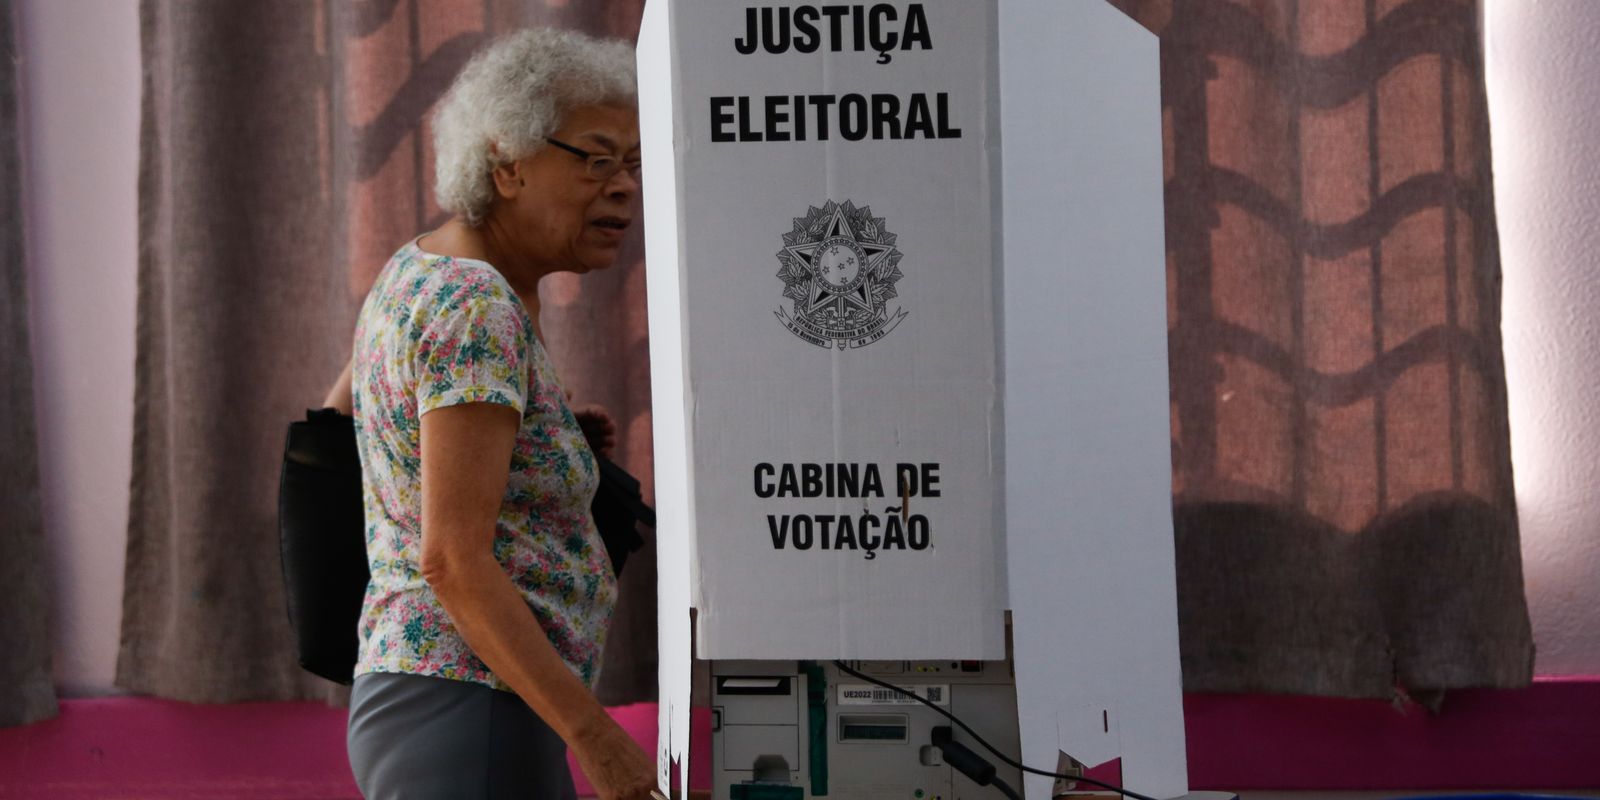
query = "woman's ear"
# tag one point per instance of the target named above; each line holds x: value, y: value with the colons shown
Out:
x: 508, y: 176
x: 508, y: 179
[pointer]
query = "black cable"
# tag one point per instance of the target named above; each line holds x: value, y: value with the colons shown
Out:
x: 980, y: 740
x: 968, y: 763
x: 1005, y: 788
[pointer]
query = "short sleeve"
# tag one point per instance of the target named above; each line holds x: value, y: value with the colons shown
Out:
x: 474, y: 351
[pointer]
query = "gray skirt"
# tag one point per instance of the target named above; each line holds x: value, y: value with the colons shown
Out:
x: 413, y: 737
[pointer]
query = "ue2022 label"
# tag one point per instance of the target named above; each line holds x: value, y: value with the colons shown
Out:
x: 839, y: 267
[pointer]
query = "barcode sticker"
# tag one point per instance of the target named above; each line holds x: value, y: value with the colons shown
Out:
x: 861, y: 694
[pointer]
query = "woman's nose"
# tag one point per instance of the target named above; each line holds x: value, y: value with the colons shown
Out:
x: 622, y: 183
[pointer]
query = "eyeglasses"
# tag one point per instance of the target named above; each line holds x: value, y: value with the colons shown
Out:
x: 600, y: 166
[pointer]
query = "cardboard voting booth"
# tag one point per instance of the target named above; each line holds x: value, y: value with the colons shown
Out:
x: 906, y: 285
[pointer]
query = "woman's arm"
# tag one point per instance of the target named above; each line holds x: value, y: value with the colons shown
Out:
x: 339, y: 396
x: 466, y: 458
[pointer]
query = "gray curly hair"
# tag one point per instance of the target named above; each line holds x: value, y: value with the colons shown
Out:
x: 509, y: 97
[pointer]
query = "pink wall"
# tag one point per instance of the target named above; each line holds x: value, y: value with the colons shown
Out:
x: 143, y: 747
x: 80, y: 110
x: 1544, y: 738
x: 1544, y: 106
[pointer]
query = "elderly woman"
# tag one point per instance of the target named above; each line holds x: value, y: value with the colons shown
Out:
x: 491, y: 591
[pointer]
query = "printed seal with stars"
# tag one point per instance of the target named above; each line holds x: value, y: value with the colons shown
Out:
x: 839, y: 266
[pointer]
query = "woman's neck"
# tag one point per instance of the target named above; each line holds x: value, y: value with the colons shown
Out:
x: 487, y: 243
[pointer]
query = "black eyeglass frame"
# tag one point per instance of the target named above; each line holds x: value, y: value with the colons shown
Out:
x: 593, y: 161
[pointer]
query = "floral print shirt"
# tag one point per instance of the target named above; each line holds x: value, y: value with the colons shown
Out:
x: 434, y: 332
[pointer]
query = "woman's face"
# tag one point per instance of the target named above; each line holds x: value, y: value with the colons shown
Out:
x: 560, y: 218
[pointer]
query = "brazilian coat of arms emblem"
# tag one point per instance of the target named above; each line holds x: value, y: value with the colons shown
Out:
x: 839, y: 266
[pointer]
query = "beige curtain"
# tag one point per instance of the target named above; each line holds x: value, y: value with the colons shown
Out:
x: 27, y: 690
x: 283, y: 158
x: 1346, y: 523
x: 1345, y: 518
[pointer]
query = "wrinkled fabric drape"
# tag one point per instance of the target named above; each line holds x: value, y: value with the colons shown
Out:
x: 27, y: 690
x: 242, y: 315
x: 1345, y: 518
x: 284, y: 156
x: 1346, y: 523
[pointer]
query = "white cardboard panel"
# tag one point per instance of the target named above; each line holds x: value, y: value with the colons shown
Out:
x: 1082, y: 460
x: 917, y: 382
x: 669, y: 395
x: 1088, y: 469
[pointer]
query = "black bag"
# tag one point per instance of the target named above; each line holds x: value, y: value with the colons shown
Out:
x: 322, y: 541
x: 323, y: 545
x: 618, y: 510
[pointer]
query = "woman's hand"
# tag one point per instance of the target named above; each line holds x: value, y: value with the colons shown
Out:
x: 613, y: 762
x: 598, y: 428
